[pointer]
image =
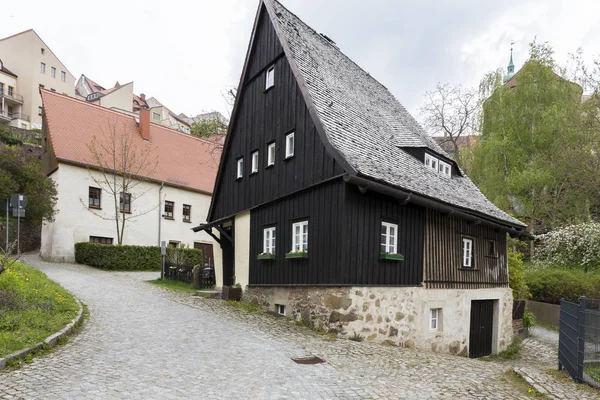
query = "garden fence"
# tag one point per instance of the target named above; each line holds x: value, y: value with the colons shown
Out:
x: 185, y: 273
x: 579, y: 340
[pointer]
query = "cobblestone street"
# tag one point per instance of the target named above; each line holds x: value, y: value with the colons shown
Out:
x: 145, y: 342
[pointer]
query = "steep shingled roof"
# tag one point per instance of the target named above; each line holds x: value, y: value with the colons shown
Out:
x: 365, y: 123
x: 183, y: 160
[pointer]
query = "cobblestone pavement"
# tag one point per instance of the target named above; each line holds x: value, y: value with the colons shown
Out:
x: 145, y: 342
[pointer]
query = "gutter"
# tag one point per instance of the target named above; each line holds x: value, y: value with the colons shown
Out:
x: 162, y: 185
x: 408, y: 197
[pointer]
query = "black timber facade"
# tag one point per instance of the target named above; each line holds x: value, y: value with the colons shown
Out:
x: 344, y: 221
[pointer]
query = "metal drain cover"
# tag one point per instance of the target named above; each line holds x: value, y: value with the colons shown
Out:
x: 308, y: 360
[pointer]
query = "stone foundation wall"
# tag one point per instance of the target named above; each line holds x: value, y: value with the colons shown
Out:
x: 392, y: 315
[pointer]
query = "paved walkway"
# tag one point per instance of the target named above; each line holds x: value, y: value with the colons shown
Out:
x: 144, y: 342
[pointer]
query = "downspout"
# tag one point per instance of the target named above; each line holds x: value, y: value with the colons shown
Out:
x: 162, y: 185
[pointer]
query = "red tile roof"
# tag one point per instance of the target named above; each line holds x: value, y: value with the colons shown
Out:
x: 183, y: 160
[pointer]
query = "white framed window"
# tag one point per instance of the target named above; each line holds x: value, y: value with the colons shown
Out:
x: 435, y: 315
x: 300, y: 236
x: 271, y: 154
x: 270, y: 78
x: 280, y: 309
x: 255, y: 162
x: 63, y: 76
x: 389, y: 238
x: 43, y: 68
x: 445, y: 168
x: 467, y: 252
x: 289, y: 145
x: 240, y: 168
x: 269, y: 240
x: 53, y: 72
x: 155, y: 116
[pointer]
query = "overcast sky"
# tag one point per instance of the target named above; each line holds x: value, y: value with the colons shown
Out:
x: 187, y: 53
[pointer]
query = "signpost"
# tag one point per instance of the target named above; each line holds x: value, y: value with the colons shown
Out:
x: 17, y: 204
x: 163, y: 253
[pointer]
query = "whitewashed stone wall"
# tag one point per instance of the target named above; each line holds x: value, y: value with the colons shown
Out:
x: 393, y: 315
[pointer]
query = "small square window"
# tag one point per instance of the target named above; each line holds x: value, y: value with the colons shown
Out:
x: 169, y: 208
x: 94, y: 197
x: 280, y: 309
x: 467, y: 253
x: 389, y: 238
x: 289, y: 145
x: 300, y: 236
x: 63, y: 76
x: 445, y: 168
x: 40, y: 110
x: 435, y: 315
x: 53, y: 72
x: 255, y: 162
x: 240, y: 168
x: 125, y: 202
x: 187, y: 213
x: 269, y: 240
x: 271, y: 154
x: 270, y: 78
x: 43, y: 68
x: 155, y: 116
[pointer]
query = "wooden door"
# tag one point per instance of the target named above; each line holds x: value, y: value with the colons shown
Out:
x: 227, y: 248
x: 481, y: 331
x: 207, y: 253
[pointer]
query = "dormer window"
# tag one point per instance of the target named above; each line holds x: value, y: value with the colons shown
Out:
x: 270, y: 78
x: 438, y: 165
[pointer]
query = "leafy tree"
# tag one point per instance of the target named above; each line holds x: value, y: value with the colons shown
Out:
x: 121, y: 166
x: 535, y: 137
x: 208, y: 127
x: 516, y: 274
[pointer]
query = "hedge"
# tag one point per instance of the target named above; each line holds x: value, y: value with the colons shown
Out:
x: 128, y: 258
x: 552, y: 284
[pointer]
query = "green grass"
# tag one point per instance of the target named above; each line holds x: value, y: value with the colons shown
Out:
x: 245, y: 306
x: 32, y: 307
x: 511, y: 352
x: 593, y: 370
x: 522, y: 385
x: 173, y: 285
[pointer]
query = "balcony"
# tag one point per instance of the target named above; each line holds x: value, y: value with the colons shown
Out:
x: 12, y: 97
x: 5, y: 116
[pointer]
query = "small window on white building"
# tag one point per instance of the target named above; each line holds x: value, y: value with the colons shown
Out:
x: 467, y: 252
x: 300, y: 236
x: 269, y: 240
x: 63, y: 76
x: 435, y: 316
x: 270, y: 78
x: 43, y: 68
x: 445, y: 168
x: 289, y: 145
x: 389, y: 238
x: 255, y: 162
x: 271, y: 154
x: 40, y: 110
x: 43, y: 51
x: 240, y: 168
x: 280, y: 309
x: 438, y: 165
x: 53, y: 72
x: 155, y: 116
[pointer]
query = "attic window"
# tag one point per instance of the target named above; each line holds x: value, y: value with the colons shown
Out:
x: 438, y: 165
x: 270, y: 78
x: 240, y: 168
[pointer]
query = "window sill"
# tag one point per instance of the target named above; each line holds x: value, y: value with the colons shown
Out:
x: 265, y: 257
x: 169, y: 218
x: 125, y: 212
x: 288, y: 158
x: 391, y: 257
x: 297, y: 255
x: 95, y: 208
x: 239, y: 179
x: 187, y: 221
x: 270, y: 166
x: 253, y: 173
x: 268, y: 89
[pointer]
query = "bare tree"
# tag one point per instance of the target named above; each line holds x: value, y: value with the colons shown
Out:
x: 121, y: 166
x: 451, y: 112
x: 5, y: 256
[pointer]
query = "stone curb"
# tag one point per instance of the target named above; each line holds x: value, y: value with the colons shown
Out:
x: 533, y: 383
x: 50, y: 340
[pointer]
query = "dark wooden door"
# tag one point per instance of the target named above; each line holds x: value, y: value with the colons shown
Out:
x: 207, y: 253
x: 482, y: 323
x: 228, y: 260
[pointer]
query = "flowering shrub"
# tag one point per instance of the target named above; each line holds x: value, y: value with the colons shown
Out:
x: 573, y: 246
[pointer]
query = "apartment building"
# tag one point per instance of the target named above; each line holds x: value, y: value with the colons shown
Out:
x: 37, y: 67
x: 11, y: 102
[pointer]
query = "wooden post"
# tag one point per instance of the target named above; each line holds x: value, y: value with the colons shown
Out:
x: 581, y: 338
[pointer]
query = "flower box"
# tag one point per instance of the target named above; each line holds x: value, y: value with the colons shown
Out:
x: 391, y: 256
x: 265, y: 256
x: 297, y: 254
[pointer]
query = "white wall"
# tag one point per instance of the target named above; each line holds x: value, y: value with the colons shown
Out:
x: 75, y: 222
x: 242, y: 249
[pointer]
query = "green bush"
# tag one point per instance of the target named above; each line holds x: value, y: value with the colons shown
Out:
x: 125, y: 258
x: 516, y: 275
x: 552, y: 284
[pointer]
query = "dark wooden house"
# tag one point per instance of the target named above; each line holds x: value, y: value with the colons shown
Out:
x: 333, y: 205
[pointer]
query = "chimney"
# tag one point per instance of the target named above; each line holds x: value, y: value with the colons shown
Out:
x: 145, y: 124
x: 143, y: 96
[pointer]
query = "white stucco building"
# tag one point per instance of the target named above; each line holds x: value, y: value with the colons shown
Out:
x: 173, y: 195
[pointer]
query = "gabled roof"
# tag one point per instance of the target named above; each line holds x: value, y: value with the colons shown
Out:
x: 183, y: 160
x: 361, y: 121
x: 6, y: 70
